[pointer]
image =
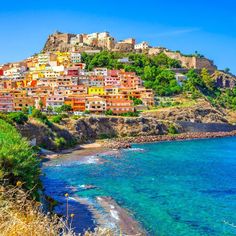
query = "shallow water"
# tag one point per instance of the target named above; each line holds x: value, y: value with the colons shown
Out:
x: 171, y: 188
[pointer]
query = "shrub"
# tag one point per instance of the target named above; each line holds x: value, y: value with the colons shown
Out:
x: 37, y: 113
x: 6, y: 118
x: 64, y: 115
x: 108, y: 113
x: 75, y: 117
x: 41, y: 117
x: 56, y: 119
x: 130, y: 114
x: 137, y: 101
x: 86, y: 112
x: 18, y: 161
x: 18, y: 117
x: 25, y: 110
x: 172, y: 129
x: 63, y: 108
x: 60, y: 142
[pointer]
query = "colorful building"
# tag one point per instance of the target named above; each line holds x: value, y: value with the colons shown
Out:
x: 96, y: 91
x: 77, y: 102
x: 6, y: 102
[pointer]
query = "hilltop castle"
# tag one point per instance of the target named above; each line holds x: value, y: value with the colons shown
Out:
x: 95, y: 42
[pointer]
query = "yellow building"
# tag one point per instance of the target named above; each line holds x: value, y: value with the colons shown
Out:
x: 63, y: 58
x: 96, y: 91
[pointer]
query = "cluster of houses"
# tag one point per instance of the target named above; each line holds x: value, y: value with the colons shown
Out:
x: 54, y: 79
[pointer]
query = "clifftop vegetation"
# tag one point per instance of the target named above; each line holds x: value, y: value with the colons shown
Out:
x: 156, y: 72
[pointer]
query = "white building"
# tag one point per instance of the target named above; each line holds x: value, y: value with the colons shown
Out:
x: 43, y: 58
x: 180, y: 78
x: 141, y: 46
x: 100, y: 71
x: 13, y: 73
x: 75, y: 57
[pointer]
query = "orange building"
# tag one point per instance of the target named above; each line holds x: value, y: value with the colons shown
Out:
x: 76, y: 102
x: 119, y: 106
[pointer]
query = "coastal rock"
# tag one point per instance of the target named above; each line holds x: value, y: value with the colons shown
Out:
x: 126, y: 142
x: 92, y: 128
x: 201, y: 113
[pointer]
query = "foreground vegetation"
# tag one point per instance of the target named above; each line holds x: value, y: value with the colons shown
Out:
x: 18, y: 161
x: 21, y: 216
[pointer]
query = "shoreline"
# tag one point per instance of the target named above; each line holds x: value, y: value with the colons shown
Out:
x: 121, y: 217
x: 82, y: 150
x: 113, y: 144
x: 126, y: 142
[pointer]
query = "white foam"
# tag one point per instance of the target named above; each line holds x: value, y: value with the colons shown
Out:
x: 134, y: 149
x: 114, y: 214
x: 72, y: 198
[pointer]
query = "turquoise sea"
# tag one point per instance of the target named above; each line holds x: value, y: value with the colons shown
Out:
x: 172, y: 188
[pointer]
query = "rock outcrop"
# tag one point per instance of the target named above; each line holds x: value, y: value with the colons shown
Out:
x: 199, y: 113
x: 52, y: 138
x: 92, y: 128
x: 224, y: 80
x: 89, y: 129
x: 58, y: 42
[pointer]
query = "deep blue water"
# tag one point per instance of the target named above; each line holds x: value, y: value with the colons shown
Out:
x: 172, y: 188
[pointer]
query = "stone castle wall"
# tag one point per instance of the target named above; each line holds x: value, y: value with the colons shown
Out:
x: 186, y: 61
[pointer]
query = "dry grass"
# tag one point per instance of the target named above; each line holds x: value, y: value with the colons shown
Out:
x: 20, y: 216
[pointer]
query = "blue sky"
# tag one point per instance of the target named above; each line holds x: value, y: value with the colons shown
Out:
x: 206, y: 26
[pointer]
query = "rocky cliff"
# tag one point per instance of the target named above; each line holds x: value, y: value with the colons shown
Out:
x: 89, y: 129
x: 92, y: 128
x: 201, y: 113
x: 58, y: 42
x: 52, y: 138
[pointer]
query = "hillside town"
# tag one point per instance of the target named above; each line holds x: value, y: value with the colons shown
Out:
x: 57, y: 76
x: 50, y: 80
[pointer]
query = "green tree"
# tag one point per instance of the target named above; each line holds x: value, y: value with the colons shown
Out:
x: 109, y: 113
x: 136, y: 101
x: 41, y: 104
x: 25, y: 110
x: 18, y: 117
x: 50, y: 109
x: 207, y: 79
x: 66, y: 108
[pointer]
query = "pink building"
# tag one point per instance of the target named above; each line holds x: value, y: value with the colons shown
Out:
x: 6, y: 102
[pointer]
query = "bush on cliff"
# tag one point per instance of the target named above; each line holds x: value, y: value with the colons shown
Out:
x: 172, y: 129
x: 41, y: 117
x: 18, y: 161
x: 109, y: 113
x: 18, y: 117
x: 130, y: 114
x: 56, y: 119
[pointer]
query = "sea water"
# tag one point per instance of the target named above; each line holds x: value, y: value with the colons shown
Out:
x: 172, y: 188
